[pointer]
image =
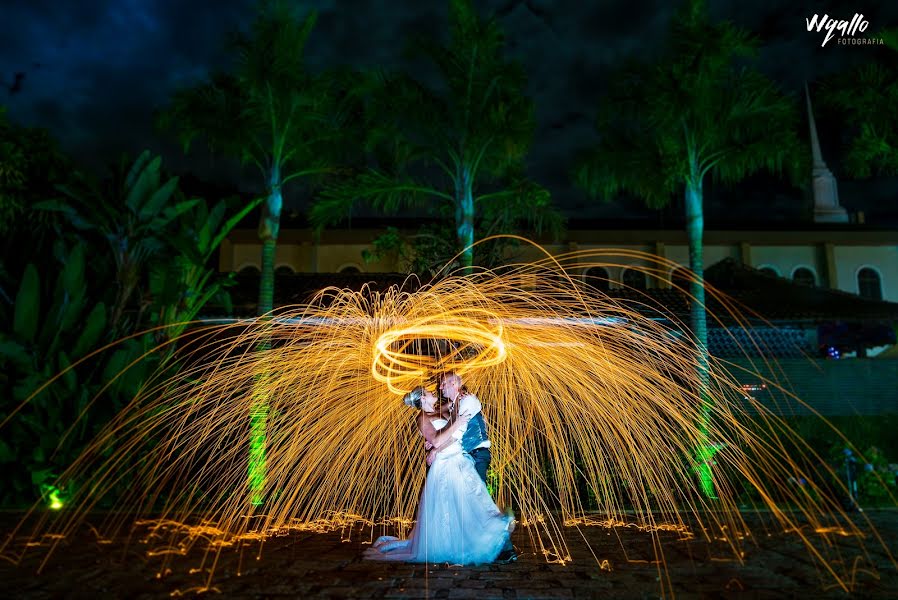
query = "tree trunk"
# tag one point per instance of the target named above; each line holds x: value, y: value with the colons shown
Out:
x: 266, y: 282
x: 269, y: 227
x: 695, y: 228
x: 464, y: 218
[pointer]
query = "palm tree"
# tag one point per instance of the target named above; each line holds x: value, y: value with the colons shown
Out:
x: 867, y: 97
x: 462, y: 143
x: 665, y: 127
x: 270, y: 112
x: 274, y: 113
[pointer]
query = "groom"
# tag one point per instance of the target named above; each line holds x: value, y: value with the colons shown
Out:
x: 473, y: 436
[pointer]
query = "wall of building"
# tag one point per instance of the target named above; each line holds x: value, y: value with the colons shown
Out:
x: 829, y: 387
x: 305, y: 258
x: 831, y: 256
x: 299, y: 257
x: 618, y: 258
x: 712, y: 254
x: 882, y: 259
x: 785, y: 259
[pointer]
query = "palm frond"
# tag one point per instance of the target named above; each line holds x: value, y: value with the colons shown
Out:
x: 215, y: 110
x: 521, y: 204
x: 377, y: 189
x: 271, y: 110
x: 865, y: 99
x: 485, y: 95
x: 630, y: 160
x: 272, y: 53
x: 890, y: 37
x: 872, y: 151
x: 664, y: 125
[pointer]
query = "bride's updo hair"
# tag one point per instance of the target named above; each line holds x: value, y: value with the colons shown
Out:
x: 413, y: 398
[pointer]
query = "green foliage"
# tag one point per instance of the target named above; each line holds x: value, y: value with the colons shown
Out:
x: 820, y: 457
x: 698, y: 111
x: 461, y: 143
x: 265, y: 122
x: 270, y: 111
x: 866, y: 98
x: 667, y: 125
x: 53, y: 402
x: 860, y: 431
x: 133, y: 208
x: 30, y: 164
x: 424, y: 252
x: 890, y: 37
x: 431, y: 250
x: 133, y: 214
x: 876, y: 482
x: 44, y: 396
x: 870, y: 439
x: 161, y: 243
x: 27, y: 305
x: 182, y: 285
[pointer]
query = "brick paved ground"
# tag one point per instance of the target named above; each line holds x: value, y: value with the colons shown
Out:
x: 324, y: 566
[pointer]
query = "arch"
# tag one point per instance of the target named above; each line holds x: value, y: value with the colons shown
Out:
x: 633, y: 279
x: 804, y: 275
x: 769, y: 270
x: 598, y: 277
x: 349, y: 269
x: 249, y: 269
x: 869, y: 282
x: 284, y: 269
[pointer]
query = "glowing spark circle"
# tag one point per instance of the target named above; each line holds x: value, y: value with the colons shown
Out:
x: 471, y: 340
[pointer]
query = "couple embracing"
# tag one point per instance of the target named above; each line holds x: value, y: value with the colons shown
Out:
x: 457, y: 520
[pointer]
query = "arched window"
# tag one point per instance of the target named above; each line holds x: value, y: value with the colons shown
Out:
x: 868, y: 284
x: 769, y: 271
x: 250, y: 270
x: 284, y: 270
x: 634, y: 279
x: 804, y: 276
x: 681, y: 278
x: 598, y: 278
x: 350, y: 269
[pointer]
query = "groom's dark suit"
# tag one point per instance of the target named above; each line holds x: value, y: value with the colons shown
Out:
x: 476, y: 442
x: 474, y: 438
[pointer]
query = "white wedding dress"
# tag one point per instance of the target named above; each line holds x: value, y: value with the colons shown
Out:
x: 458, y: 522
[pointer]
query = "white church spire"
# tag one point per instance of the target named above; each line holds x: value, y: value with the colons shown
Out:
x: 826, y: 192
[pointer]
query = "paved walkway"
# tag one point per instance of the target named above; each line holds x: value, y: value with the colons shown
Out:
x: 607, y: 563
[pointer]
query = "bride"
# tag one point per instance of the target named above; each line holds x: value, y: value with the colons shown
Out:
x: 457, y: 520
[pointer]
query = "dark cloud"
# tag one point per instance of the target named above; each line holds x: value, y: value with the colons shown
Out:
x: 95, y: 70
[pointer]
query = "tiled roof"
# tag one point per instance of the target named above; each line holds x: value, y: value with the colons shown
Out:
x: 777, y: 298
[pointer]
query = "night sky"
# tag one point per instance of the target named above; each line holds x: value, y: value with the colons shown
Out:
x: 93, y: 71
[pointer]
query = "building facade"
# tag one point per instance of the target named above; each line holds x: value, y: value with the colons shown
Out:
x: 848, y: 258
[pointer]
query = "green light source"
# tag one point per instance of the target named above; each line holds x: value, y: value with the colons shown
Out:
x: 258, y: 418
x: 55, y: 502
x: 704, y: 460
x: 53, y: 496
x: 705, y: 451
